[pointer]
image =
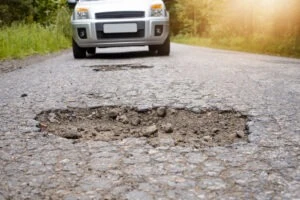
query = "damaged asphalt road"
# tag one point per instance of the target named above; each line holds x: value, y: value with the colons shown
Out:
x: 37, y: 164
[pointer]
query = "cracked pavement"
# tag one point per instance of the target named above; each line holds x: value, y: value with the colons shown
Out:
x: 34, y: 165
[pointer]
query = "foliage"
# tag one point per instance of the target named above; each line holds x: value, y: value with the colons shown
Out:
x: 252, y: 25
x: 62, y: 22
x: 194, y: 16
x: 236, y: 17
x: 41, y: 11
x: 19, y: 40
x: 255, y: 44
x: 15, y: 10
x: 45, y: 11
x: 33, y: 27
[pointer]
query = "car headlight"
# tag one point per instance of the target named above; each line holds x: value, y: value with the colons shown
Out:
x: 82, y: 13
x: 157, y: 10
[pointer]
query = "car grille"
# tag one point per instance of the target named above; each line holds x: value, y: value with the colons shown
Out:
x: 122, y: 14
x: 139, y: 34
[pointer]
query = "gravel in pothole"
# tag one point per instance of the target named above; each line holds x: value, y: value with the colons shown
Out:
x: 161, y: 126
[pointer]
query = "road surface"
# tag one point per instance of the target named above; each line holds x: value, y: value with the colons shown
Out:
x: 34, y: 165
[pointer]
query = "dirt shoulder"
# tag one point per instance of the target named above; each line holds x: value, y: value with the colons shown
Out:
x: 15, y: 64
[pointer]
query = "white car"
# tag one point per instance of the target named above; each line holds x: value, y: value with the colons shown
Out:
x: 119, y: 23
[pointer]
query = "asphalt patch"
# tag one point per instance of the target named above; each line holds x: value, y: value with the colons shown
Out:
x: 121, y: 67
x: 160, y: 126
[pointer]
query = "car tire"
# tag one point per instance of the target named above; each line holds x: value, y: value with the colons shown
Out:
x: 153, y: 49
x: 78, y: 52
x: 164, y: 49
x: 91, y: 51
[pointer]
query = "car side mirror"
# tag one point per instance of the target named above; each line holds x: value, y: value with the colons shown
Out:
x: 72, y: 3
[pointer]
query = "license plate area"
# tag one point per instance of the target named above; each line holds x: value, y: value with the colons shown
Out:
x: 115, y: 32
x: 120, y: 28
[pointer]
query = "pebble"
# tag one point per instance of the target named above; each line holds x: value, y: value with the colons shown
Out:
x: 150, y: 130
x: 113, y: 114
x: 43, y: 125
x: 216, y: 130
x: 240, y: 134
x: 172, y: 111
x: 123, y: 119
x: 142, y: 109
x: 116, y: 133
x: 135, y: 121
x: 168, y: 128
x: 52, y: 117
x: 207, y: 138
x: 72, y: 135
x: 80, y: 129
x: 161, y: 112
x: 98, y: 129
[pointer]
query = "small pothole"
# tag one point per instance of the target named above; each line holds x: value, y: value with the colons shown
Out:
x: 104, y: 68
x: 161, y: 126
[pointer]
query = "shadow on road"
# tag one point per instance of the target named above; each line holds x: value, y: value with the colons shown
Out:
x: 121, y: 55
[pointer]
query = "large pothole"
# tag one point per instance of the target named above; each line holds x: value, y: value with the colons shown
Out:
x: 161, y: 126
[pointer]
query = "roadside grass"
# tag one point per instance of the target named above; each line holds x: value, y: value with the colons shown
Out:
x: 20, y: 40
x: 256, y: 44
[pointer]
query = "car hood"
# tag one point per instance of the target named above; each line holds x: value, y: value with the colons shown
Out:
x: 116, y: 5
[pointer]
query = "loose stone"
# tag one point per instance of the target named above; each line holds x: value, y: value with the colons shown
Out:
x: 135, y: 121
x: 240, y: 134
x: 113, y: 114
x: 161, y: 112
x: 52, y: 117
x: 216, y: 130
x: 24, y: 95
x: 172, y: 111
x: 98, y: 129
x: 123, y: 119
x: 80, y: 129
x: 167, y: 128
x: 43, y: 125
x: 207, y: 138
x: 149, y: 131
x: 116, y: 133
x: 72, y: 135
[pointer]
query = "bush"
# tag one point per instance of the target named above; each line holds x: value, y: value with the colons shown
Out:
x: 62, y: 22
x: 28, y: 11
x: 259, y: 43
x: 15, y: 10
x: 21, y: 40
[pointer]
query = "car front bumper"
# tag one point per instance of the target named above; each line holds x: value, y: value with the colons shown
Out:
x: 90, y: 33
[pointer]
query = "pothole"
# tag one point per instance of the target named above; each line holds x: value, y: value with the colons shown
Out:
x: 160, y: 126
x: 104, y: 68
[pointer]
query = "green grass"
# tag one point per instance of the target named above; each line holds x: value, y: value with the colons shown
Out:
x: 20, y: 40
x: 256, y: 44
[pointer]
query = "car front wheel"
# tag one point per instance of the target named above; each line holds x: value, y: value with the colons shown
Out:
x: 91, y: 51
x: 78, y: 52
x: 162, y: 50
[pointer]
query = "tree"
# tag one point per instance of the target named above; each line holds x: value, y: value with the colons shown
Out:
x: 45, y: 10
x: 15, y: 10
x: 195, y: 16
x: 42, y: 11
